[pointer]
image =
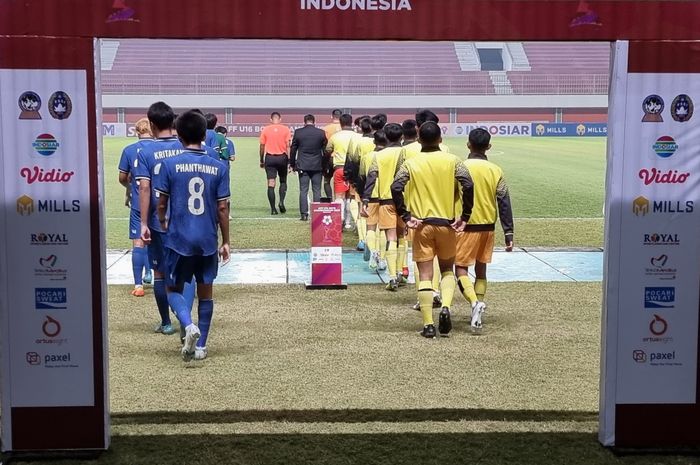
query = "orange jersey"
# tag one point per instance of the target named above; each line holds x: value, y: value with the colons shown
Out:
x: 275, y: 138
x: 331, y: 129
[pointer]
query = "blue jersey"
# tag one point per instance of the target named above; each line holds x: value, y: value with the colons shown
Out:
x: 195, y: 184
x: 128, y: 164
x: 231, y: 148
x: 210, y: 139
x: 148, y: 158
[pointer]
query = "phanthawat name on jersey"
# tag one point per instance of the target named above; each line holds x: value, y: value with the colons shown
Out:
x: 364, y: 5
x: 196, y: 168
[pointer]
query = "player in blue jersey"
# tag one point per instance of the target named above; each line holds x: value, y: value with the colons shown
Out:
x: 164, y: 146
x: 127, y: 178
x: 199, y: 186
x: 210, y: 139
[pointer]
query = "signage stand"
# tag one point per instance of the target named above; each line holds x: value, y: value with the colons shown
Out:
x: 326, y: 247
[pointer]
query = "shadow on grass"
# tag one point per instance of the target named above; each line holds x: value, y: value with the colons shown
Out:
x: 351, y: 416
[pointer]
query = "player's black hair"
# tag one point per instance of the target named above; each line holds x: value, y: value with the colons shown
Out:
x: 429, y: 134
x: 479, y: 139
x: 365, y: 125
x: 191, y: 128
x: 211, y: 120
x: 423, y: 116
x: 410, y: 129
x: 309, y: 119
x: 336, y: 113
x: 275, y: 113
x: 345, y: 120
x: 393, y: 132
x: 221, y: 129
x: 161, y: 116
x: 380, y: 138
x: 378, y: 121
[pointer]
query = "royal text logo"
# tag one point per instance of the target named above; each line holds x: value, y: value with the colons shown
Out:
x: 661, y: 239
x: 48, y: 239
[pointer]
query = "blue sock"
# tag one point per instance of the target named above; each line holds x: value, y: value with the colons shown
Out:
x: 188, y: 292
x: 139, y: 259
x: 180, y: 308
x: 206, y: 311
x: 161, y: 301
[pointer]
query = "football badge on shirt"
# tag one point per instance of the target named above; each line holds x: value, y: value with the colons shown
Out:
x: 653, y: 106
x: 682, y: 108
x: 60, y: 105
x: 30, y: 104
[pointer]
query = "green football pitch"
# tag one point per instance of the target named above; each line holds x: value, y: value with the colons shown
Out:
x: 556, y: 184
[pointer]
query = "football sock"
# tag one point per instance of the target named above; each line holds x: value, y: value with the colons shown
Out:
x: 425, y: 298
x: 415, y: 275
x: 139, y: 259
x: 327, y: 188
x: 391, y: 258
x: 480, y: 288
x: 271, y: 197
x: 467, y: 289
x: 382, y: 240
x: 362, y: 229
x: 372, y: 240
x: 177, y: 301
x: 436, y: 275
x: 161, y: 300
x: 283, y: 192
x: 354, y: 210
x: 205, y: 313
x: 188, y: 293
x: 447, y: 288
x: 401, y: 256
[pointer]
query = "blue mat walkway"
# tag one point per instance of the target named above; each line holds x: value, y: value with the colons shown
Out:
x: 292, y: 267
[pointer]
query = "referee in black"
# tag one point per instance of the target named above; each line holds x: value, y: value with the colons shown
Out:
x: 306, y: 158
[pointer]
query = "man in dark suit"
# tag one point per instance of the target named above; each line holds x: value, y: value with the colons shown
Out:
x: 307, y: 152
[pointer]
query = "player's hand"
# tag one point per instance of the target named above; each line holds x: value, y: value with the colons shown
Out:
x: 262, y: 164
x: 414, y: 223
x: 145, y: 234
x: 364, y: 213
x: 225, y: 254
x: 509, y: 246
x: 232, y: 158
x: 459, y: 225
x: 127, y: 201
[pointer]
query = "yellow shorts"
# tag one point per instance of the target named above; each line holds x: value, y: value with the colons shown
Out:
x: 388, y: 218
x: 474, y: 246
x: 372, y: 213
x: 430, y: 241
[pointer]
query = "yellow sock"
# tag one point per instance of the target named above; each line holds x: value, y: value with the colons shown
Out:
x: 362, y: 229
x: 371, y: 240
x: 415, y: 275
x: 467, y: 288
x: 382, y: 246
x: 425, y: 298
x: 391, y: 256
x: 401, y: 257
x: 436, y: 275
x: 480, y: 289
x: 354, y: 210
x: 447, y: 288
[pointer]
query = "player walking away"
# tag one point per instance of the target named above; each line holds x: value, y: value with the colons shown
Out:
x: 337, y: 148
x: 361, y: 147
x: 210, y: 140
x: 197, y: 187
x: 164, y: 145
x: 330, y: 129
x: 370, y: 210
x: 223, y: 145
x: 475, y: 244
x: 381, y: 174
x: 431, y: 212
x: 274, y: 150
x: 127, y: 178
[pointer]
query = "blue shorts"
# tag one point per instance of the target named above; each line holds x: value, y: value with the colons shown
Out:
x: 156, y: 254
x: 181, y: 268
x: 134, y: 224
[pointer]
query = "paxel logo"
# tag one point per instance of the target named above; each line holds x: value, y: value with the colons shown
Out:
x: 659, y: 297
x: 661, y: 239
x: 639, y: 356
x: 51, y: 298
x: 33, y: 358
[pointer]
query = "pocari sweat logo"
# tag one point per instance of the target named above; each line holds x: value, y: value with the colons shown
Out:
x: 659, y: 297
x: 51, y: 298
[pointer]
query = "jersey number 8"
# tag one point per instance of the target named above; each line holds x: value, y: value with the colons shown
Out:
x: 195, y: 203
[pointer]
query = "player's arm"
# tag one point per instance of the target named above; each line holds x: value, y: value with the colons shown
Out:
x: 163, y: 210
x: 124, y: 169
x: 505, y: 212
x: 329, y: 146
x: 263, y: 140
x: 293, y: 152
x: 397, y: 187
x: 143, y: 176
x: 372, y: 175
x: 466, y: 182
x: 223, y: 194
x: 161, y: 184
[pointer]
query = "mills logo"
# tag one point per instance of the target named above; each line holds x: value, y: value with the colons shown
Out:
x: 659, y: 297
x: 26, y: 206
x: 641, y: 206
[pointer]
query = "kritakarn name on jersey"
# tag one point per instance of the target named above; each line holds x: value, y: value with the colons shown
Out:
x: 366, y: 5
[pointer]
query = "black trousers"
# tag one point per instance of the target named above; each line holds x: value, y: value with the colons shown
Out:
x: 315, y: 177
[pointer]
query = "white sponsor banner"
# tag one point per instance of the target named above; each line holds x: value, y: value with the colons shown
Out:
x: 326, y: 255
x: 114, y: 130
x: 47, y: 334
x: 518, y: 129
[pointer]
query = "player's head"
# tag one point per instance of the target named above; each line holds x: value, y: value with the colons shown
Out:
x: 275, y: 117
x: 430, y: 135
x: 309, y: 119
x: 479, y: 140
x: 336, y: 114
x: 191, y: 128
x: 410, y: 129
x: 378, y: 121
x: 161, y: 117
x: 345, y: 121
x: 143, y: 128
x: 211, y: 120
x: 221, y: 130
x: 380, y: 139
x: 366, y: 125
x: 424, y: 116
x: 393, y: 132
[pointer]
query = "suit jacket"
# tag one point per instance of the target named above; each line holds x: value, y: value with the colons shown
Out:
x: 308, y: 145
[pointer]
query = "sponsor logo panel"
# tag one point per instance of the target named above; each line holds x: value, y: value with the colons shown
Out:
x: 659, y: 297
